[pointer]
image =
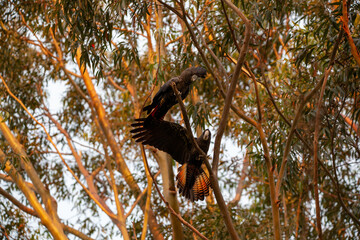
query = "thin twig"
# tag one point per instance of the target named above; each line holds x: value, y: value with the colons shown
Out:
x: 203, y: 41
x: 119, y: 206
x: 230, y: 27
x: 298, y: 211
x: 243, y: 175
x: 111, y: 80
x: 4, y: 232
x: 256, y: 91
x: 17, y: 203
x: 134, y: 230
x: 139, y: 197
x: 46, y: 50
x: 196, y: 44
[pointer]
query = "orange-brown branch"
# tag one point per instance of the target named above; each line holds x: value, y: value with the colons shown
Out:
x: 345, y: 21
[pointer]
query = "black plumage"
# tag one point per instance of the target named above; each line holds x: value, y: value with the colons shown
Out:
x: 192, y: 181
x: 165, y: 98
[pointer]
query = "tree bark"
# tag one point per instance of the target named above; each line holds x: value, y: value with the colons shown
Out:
x: 49, y: 217
x: 169, y: 190
x: 122, y: 166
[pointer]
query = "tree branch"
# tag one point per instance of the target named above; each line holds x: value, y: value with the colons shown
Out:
x: 106, y: 129
x: 240, y: 187
x: 139, y: 197
x: 231, y: 88
x: 213, y: 178
x: 298, y: 113
x: 92, y: 192
x: 345, y: 20
x: 319, y: 161
x: 34, y: 213
x: 51, y: 223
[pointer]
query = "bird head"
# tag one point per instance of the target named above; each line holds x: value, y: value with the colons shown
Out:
x: 204, y: 140
x: 206, y: 135
x: 193, y: 73
x: 199, y: 72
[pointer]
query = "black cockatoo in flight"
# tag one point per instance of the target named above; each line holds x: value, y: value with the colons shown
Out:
x: 192, y: 181
x: 165, y: 97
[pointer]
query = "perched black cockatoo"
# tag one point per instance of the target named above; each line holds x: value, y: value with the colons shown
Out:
x: 192, y: 181
x: 165, y: 97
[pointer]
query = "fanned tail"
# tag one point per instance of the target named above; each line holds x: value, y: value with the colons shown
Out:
x: 193, y: 182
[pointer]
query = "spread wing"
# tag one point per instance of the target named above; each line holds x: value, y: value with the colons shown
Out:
x: 166, y: 136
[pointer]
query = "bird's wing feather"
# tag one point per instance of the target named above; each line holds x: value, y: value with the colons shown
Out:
x: 166, y: 136
x: 164, y: 89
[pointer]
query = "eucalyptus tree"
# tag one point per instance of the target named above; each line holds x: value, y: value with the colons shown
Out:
x: 281, y: 97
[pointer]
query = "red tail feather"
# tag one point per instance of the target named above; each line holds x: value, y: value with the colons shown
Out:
x: 193, y: 182
x: 154, y: 111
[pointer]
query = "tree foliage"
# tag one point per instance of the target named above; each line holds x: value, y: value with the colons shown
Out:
x: 290, y: 151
